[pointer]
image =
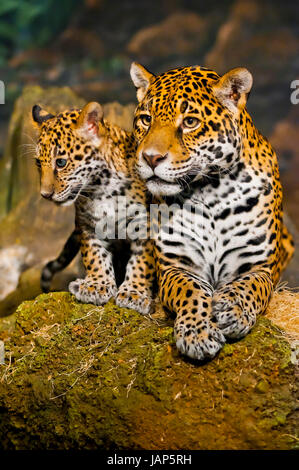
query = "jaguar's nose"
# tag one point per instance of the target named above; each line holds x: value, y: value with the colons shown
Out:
x: 154, y: 160
x: 47, y: 195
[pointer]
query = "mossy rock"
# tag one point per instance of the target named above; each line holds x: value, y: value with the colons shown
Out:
x: 84, y: 377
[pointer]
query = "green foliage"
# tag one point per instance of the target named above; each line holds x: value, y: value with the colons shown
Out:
x: 31, y: 23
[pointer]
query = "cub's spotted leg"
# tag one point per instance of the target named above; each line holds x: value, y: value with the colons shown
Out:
x: 99, y: 284
x: 237, y: 304
x: 136, y: 290
x: 191, y: 299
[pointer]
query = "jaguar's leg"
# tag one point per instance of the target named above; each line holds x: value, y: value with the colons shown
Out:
x: 136, y: 290
x: 99, y: 284
x: 237, y: 304
x: 191, y: 299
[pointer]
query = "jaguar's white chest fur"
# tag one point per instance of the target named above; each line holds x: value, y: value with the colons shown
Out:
x: 217, y: 229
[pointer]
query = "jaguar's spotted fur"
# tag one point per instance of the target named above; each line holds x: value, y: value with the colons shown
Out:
x: 85, y: 160
x: 222, y: 251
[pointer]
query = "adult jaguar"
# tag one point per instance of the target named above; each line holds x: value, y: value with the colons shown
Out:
x: 223, y: 248
x: 85, y: 160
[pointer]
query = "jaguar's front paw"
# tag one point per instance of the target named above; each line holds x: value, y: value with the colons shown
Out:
x: 198, y: 342
x: 90, y: 292
x: 141, y: 301
x: 233, y: 320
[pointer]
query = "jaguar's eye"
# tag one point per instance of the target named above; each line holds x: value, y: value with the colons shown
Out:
x: 190, y: 122
x: 61, y: 162
x: 145, y: 119
x: 38, y: 163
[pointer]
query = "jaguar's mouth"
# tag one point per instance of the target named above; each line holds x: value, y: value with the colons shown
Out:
x: 159, y: 187
x: 156, y: 179
x: 71, y: 197
x: 183, y: 181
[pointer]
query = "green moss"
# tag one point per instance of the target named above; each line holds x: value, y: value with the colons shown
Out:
x: 262, y: 387
x: 228, y: 349
x: 103, y: 377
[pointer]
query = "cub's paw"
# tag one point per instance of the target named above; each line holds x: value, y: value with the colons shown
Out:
x: 90, y: 292
x: 137, y: 300
x: 198, y: 343
x: 234, y: 321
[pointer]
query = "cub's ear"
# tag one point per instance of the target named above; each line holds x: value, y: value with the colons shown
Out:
x: 141, y: 78
x: 88, y: 125
x: 233, y: 88
x: 40, y: 115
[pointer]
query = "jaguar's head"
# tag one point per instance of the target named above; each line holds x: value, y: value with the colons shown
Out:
x: 187, y: 124
x: 65, y: 150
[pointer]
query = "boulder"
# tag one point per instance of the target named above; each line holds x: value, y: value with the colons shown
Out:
x: 284, y: 139
x: 244, y: 35
x: 83, y: 377
x: 180, y: 33
x: 268, y: 48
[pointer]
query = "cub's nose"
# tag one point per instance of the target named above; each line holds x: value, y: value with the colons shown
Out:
x: 154, y: 160
x: 47, y: 195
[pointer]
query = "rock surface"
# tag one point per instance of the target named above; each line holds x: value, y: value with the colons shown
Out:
x: 12, y: 260
x: 180, y: 33
x: 83, y: 377
x: 285, y: 142
x: 255, y: 36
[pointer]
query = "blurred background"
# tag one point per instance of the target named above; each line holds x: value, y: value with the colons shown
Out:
x: 88, y: 45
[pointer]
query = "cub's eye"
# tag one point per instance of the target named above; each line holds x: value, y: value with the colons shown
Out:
x: 145, y: 119
x: 190, y: 122
x: 61, y: 162
x: 38, y: 163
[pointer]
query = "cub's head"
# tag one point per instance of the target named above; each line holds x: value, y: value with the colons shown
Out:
x: 65, y: 150
x: 187, y: 124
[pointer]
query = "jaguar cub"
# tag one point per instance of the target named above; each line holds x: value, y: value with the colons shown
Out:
x: 223, y: 247
x: 85, y: 160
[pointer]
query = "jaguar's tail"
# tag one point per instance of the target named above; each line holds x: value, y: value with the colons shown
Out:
x: 287, y: 250
x: 68, y: 253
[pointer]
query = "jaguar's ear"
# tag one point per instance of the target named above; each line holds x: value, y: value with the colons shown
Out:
x: 233, y: 88
x: 141, y: 78
x: 88, y: 124
x: 40, y: 115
